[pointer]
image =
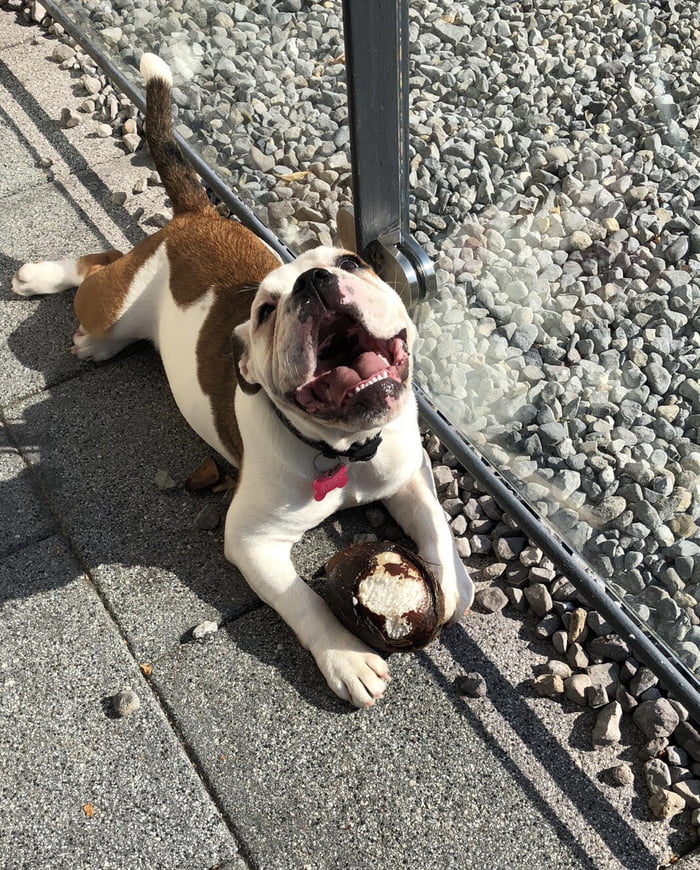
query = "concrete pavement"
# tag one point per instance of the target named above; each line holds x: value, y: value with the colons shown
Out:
x: 239, y: 756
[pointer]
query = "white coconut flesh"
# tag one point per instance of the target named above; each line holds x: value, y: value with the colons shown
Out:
x: 394, y: 596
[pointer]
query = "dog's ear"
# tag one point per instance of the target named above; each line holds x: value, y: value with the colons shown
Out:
x: 239, y: 347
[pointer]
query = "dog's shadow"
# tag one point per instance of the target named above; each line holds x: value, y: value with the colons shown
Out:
x: 94, y: 442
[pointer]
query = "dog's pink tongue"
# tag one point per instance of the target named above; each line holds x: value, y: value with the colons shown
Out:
x: 343, y: 378
x: 368, y: 364
x: 340, y: 380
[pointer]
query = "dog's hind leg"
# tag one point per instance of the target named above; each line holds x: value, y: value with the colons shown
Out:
x: 114, y: 297
x: 117, y: 303
x: 54, y: 276
x: 87, y: 347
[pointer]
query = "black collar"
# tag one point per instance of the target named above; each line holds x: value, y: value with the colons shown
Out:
x: 360, y: 451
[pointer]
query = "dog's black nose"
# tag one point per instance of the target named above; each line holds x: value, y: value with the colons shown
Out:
x: 318, y: 282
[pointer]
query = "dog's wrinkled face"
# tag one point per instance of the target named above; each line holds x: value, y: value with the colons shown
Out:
x: 330, y: 341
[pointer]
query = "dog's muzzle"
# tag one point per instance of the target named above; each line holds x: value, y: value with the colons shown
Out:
x: 355, y: 374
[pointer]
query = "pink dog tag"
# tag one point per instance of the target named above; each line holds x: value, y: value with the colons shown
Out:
x: 335, y: 478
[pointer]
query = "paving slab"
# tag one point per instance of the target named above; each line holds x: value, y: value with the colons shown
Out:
x: 18, y: 168
x: 119, y: 176
x: 82, y: 788
x: 557, y: 736
x: 25, y: 516
x: 24, y: 71
x: 14, y: 32
x: 96, y: 443
x: 74, y: 217
x: 424, y: 779
x: 42, y: 132
x: 34, y: 350
x: 35, y: 141
x: 64, y: 213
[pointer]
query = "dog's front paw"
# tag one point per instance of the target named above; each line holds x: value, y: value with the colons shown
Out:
x: 459, y: 594
x: 355, y: 672
x: 47, y: 276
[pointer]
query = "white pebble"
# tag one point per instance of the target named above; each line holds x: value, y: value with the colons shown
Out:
x: 204, y: 629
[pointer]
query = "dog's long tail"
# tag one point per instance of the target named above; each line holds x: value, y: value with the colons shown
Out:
x: 180, y: 180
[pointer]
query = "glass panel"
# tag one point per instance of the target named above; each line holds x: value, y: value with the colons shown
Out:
x: 554, y: 171
x: 259, y: 93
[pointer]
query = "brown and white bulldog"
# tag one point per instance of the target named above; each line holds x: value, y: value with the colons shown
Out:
x: 298, y: 374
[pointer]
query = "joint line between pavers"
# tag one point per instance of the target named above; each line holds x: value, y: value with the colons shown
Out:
x: 243, y: 848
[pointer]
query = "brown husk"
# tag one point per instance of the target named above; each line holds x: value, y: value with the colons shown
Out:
x: 346, y: 569
x: 204, y: 476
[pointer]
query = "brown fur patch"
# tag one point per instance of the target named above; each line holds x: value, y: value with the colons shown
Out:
x: 216, y: 367
x: 91, y: 263
x: 178, y: 177
x: 204, y: 250
x: 207, y: 251
x: 100, y: 298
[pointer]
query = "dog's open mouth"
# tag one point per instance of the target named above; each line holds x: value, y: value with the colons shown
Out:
x: 353, y: 366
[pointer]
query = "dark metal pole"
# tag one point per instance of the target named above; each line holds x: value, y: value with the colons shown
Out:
x: 376, y: 66
x: 377, y: 103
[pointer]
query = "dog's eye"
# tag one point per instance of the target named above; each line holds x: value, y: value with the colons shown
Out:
x: 349, y: 263
x: 263, y: 313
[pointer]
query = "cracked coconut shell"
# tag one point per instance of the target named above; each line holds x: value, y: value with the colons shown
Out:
x: 385, y: 595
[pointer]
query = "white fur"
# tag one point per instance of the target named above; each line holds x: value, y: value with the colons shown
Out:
x: 154, y: 67
x: 273, y: 508
x: 271, y: 511
x: 47, y: 276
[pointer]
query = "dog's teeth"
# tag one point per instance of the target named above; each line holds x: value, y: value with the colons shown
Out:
x: 373, y: 380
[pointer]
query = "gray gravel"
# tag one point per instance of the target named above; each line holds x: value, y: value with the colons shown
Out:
x: 125, y: 703
x: 564, y: 341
